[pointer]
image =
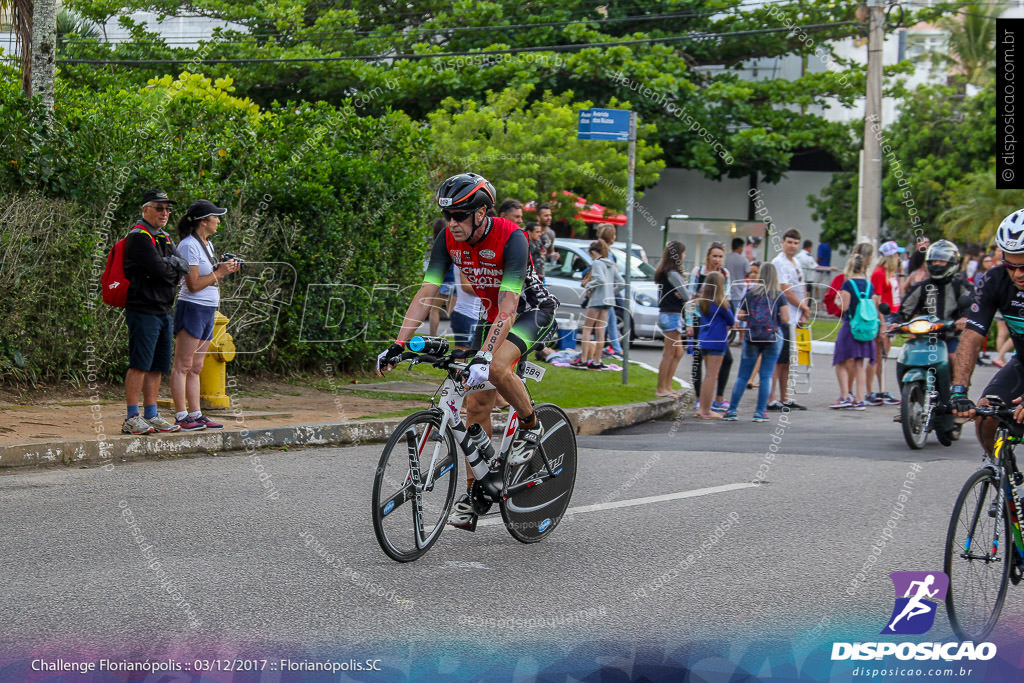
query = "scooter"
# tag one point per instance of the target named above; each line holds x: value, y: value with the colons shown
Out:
x: 923, y: 373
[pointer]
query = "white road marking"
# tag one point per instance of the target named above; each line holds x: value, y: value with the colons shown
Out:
x: 597, y: 507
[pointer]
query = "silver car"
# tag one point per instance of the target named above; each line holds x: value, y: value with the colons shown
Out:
x: 564, y: 279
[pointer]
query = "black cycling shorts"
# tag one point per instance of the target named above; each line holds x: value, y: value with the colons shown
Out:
x: 1008, y: 383
x: 531, y: 329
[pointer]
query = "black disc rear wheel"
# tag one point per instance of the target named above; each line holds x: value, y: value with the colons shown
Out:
x: 533, y: 513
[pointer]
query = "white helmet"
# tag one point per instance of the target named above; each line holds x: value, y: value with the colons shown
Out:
x: 1010, y: 234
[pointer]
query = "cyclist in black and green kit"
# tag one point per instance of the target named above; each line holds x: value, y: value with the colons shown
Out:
x: 1003, y: 291
x: 494, y: 257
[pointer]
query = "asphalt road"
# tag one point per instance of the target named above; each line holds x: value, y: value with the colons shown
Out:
x: 709, y: 565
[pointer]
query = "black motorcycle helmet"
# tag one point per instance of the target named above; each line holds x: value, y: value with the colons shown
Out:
x: 943, y: 250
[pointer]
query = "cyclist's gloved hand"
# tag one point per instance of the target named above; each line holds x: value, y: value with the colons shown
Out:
x: 479, y: 371
x: 388, y: 358
x: 960, y: 403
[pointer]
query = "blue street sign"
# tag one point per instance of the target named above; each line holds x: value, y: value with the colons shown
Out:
x: 603, y: 124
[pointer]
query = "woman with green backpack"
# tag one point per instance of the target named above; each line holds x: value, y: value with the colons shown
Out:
x: 855, y: 342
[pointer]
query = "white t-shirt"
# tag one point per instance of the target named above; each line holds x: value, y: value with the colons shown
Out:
x: 467, y: 304
x: 807, y: 263
x: 789, y: 274
x: 191, y: 249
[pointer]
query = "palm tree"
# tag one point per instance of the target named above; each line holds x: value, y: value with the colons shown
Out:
x: 977, y: 208
x: 19, y: 12
x: 971, y: 50
x: 72, y: 23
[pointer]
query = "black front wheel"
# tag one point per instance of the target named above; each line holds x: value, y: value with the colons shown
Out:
x: 977, y: 564
x: 533, y: 512
x: 414, y: 488
x: 915, y: 413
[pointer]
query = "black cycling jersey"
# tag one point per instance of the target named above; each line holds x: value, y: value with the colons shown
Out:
x: 998, y: 292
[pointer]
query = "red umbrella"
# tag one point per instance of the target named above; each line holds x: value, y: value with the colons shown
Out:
x: 589, y: 213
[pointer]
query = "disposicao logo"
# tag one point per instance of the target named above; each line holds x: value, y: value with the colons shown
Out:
x: 917, y: 598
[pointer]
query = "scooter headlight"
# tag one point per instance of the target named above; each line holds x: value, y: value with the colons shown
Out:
x: 919, y: 327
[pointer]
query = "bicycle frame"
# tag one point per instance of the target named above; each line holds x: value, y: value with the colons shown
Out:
x: 449, y: 404
x: 1006, y: 463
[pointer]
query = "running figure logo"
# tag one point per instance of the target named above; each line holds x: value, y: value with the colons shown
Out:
x: 917, y: 595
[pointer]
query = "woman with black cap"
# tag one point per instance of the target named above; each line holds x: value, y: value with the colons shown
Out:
x: 195, y: 310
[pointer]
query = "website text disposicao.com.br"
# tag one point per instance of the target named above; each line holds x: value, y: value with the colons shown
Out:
x: 902, y: 673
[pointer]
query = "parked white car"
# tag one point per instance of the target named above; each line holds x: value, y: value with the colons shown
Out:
x: 564, y: 279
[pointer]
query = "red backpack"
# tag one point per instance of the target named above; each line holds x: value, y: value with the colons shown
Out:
x: 114, y: 282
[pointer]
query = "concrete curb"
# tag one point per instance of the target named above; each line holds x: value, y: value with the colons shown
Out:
x: 121, y: 449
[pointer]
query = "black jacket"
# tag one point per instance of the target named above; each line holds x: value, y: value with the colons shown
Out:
x: 153, y: 282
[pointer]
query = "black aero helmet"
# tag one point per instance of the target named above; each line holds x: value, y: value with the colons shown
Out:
x: 943, y: 250
x: 465, y: 192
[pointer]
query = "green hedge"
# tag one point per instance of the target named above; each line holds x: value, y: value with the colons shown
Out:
x: 332, y: 198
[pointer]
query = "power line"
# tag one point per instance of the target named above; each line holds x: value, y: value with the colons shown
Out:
x: 434, y: 55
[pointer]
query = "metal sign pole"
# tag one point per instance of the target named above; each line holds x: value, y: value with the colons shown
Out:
x: 629, y: 245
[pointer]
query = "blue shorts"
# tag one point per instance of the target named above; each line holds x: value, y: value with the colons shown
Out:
x: 195, y: 319
x: 712, y: 352
x: 670, y: 322
x: 462, y: 328
x: 149, y: 341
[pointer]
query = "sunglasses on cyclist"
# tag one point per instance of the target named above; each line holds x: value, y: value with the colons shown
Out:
x: 457, y: 216
x: 1012, y: 267
x: 160, y: 208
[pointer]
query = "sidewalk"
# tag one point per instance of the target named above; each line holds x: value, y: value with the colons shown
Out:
x: 80, y: 430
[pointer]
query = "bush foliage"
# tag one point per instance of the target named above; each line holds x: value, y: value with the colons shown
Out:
x: 333, y: 197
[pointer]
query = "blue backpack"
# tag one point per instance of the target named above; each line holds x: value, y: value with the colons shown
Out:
x: 760, y: 319
x: 864, y: 323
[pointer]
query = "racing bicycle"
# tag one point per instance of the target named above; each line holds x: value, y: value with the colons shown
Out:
x: 417, y: 476
x: 984, y: 549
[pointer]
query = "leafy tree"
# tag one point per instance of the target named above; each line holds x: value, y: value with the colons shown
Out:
x: 529, y: 150
x: 939, y: 137
x: 686, y: 82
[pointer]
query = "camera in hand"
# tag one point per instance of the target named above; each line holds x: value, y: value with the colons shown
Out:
x: 229, y: 257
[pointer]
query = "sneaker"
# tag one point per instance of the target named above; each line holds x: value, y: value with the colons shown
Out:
x: 210, y: 424
x: 775, y: 405
x: 592, y: 365
x: 857, y: 405
x: 874, y: 399
x: 525, y: 444
x: 162, y: 425
x: 840, y: 402
x: 187, y: 424
x: 760, y: 417
x: 890, y: 400
x: 463, y: 516
x: 730, y: 416
x: 136, y: 425
x: 579, y: 364
x: 719, y: 406
x: 793, y: 405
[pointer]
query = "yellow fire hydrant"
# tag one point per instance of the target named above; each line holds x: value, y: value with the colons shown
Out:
x: 213, y: 376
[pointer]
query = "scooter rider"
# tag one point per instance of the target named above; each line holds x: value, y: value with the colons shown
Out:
x: 1002, y: 290
x: 940, y: 293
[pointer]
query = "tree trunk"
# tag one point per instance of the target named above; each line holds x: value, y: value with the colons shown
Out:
x: 44, y: 44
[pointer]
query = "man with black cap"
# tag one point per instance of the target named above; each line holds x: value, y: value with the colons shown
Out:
x: 153, y: 269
